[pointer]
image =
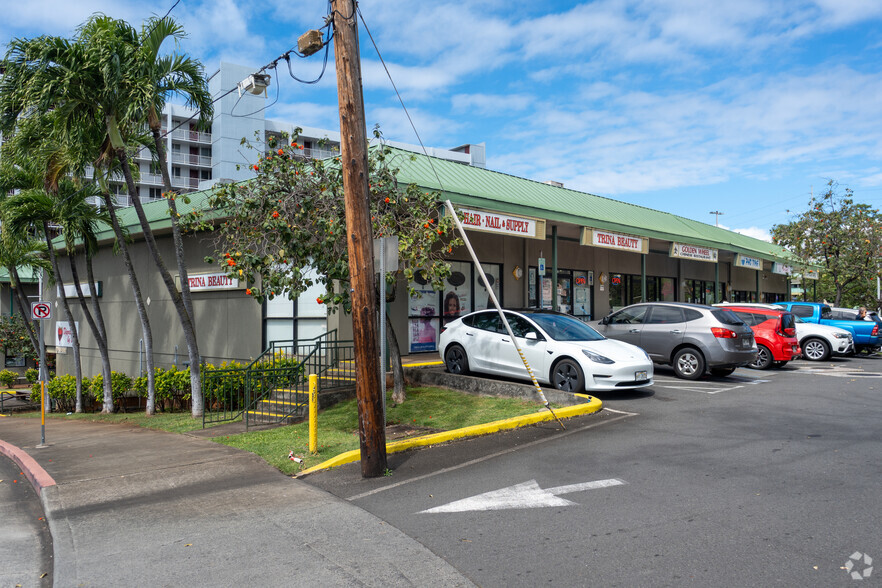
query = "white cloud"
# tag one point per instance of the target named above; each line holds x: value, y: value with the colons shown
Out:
x: 755, y: 232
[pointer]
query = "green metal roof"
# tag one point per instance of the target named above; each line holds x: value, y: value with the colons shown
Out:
x: 466, y: 185
x: 27, y: 275
x: 471, y: 186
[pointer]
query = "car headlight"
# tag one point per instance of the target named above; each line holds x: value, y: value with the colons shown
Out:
x: 841, y: 335
x: 596, y: 357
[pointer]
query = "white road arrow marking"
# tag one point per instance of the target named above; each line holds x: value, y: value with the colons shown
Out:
x: 524, y: 495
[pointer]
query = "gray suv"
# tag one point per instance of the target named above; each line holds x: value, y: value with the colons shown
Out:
x: 692, y: 338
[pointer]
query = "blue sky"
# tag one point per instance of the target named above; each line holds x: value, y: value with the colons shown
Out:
x: 686, y: 106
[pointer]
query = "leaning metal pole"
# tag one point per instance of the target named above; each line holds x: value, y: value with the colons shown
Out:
x: 514, y: 342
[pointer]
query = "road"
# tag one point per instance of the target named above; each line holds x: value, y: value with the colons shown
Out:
x: 761, y: 478
x: 25, y: 542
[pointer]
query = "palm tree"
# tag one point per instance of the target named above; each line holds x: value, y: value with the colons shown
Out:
x: 116, y: 58
x: 69, y: 79
x: 16, y: 253
x: 32, y: 209
x: 78, y: 220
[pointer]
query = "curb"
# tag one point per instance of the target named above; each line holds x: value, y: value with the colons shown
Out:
x: 32, y: 470
x: 593, y: 405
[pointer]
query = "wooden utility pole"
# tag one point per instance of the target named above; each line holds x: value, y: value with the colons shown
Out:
x: 359, y: 239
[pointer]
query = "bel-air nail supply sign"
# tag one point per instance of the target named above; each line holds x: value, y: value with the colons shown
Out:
x: 494, y: 222
x: 748, y: 262
x: 608, y: 240
x: 684, y: 251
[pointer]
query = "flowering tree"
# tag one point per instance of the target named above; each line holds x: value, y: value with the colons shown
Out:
x: 843, y: 237
x: 291, y: 219
x: 14, y: 337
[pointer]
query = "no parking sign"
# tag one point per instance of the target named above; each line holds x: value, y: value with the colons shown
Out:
x: 41, y: 311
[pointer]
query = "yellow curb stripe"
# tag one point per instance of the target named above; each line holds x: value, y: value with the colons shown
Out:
x: 423, y: 364
x: 271, y: 414
x: 592, y: 406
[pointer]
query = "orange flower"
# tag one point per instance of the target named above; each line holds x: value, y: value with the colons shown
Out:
x: 319, y: 300
x: 231, y: 262
x: 281, y: 152
x: 256, y: 168
x: 248, y: 291
x: 387, y: 200
x: 275, y: 214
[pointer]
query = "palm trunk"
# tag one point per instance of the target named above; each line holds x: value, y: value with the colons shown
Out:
x: 24, y: 308
x: 78, y: 365
x: 146, y: 331
x: 99, y: 320
x: 176, y: 228
x: 177, y: 299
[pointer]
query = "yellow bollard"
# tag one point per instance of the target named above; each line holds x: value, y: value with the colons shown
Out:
x: 313, y: 413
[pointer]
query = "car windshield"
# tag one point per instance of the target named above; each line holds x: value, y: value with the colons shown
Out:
x: 727, y: 317
x: 565, y: 328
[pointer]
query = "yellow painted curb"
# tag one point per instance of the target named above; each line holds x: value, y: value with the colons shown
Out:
x: 593, y: 405
x: 423, y: 364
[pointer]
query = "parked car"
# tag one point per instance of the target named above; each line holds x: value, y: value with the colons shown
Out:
x: 817, y: 342
x: 853, y: 314
x: 693, y: 338
x: 865, y: 333
x: 775, y: 332
x: 562, y: 351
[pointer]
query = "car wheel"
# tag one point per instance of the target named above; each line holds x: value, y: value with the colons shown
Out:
x: 722, y: 372
x: 779, y: 364
x: 763, y: 359
x: 456, y: 360
x: 566, y: 376
x: 688, y: 364
x: 815, y: 349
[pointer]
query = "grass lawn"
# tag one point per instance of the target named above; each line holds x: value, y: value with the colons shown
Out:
x: 435, y: 408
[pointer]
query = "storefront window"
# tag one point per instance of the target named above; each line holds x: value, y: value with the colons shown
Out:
x: 627, y: 289
x: 582, y: 295
x: 424, y: 311
x: 482, y: 295
x: 457, y: 291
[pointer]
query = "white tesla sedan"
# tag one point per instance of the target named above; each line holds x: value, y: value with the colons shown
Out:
x: 562, y: 351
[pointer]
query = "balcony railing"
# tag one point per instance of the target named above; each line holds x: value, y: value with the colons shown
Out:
x: 192, y: 136
x: 192, y: 159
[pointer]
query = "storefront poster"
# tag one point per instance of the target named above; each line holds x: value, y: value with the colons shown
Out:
x: 423, y: 334
x: 457, y: 291
x: 64, y: 334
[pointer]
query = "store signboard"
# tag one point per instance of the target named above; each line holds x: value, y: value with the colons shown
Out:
x: 694, y: 252
x: 209, y: 282
x: 781, y: 268
x: 495, y: 222
x: 754, y: 263
x: 610, y: 240
x: 810, y: 274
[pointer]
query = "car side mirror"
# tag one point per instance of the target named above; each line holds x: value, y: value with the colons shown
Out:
x: 604, y: 320
x: 532, y: 336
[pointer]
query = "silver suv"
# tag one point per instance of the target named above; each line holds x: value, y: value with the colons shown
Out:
x: 692, y: 338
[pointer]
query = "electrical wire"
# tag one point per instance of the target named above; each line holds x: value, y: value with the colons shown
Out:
x: 400, y: 99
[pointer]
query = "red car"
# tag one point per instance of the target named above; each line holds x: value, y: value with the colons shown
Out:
x: 775, y: 334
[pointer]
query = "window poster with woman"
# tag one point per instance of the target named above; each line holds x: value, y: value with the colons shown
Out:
x: 423, y: 322
x: 457, y: 291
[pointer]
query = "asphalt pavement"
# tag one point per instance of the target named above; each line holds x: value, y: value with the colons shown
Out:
x: 128, y: 506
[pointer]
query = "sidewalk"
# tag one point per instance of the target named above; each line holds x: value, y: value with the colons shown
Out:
x: 129, y: 506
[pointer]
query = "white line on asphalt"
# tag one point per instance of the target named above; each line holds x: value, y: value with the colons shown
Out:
x: 706, y: 390
x: 495, y: 455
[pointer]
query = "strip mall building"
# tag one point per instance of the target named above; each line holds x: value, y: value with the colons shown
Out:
x: 540, y: 245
